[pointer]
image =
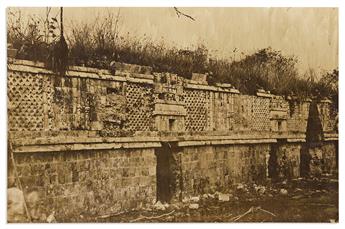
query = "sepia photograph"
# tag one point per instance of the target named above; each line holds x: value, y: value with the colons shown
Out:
x: 172, y: 114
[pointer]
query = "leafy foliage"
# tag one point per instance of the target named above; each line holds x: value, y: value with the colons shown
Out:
x: 328, y: 86
x: 266, y: 69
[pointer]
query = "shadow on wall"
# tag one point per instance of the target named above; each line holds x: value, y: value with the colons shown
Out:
x: 314, y: 137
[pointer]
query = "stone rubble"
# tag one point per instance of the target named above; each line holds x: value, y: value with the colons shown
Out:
x: 195, y: 199
x: 283, y: 191
x: 15, y: 205
x: 51, y: 218
x: 223, y: 197
x: 159, y: 206
x: 193, y: 206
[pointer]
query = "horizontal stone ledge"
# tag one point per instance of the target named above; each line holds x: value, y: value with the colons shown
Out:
x: 168, y: 102
x: 139, y: 80
x: 37, y: 64
x: 331, y: 135
x: 25, y: 62
x: 264, y: 94
x: 227, y: 137
x: 211, y: 88
x: 28, y: 68
x: 325, y: 101
x: 291, y: 140
x: 51, y: 140
x: 288, y: 135
x: 226, y: 142
x: 79, y: 147
x: 99, y: 76
x: 81, y: 140
x: 74, y: 71
x: 330, y: 139
x: 55, y: 137
x: 120, y: 77
x: 168, y: 113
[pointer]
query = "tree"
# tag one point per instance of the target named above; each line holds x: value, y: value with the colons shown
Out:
x: 328, y: 87
x: 265, y: 69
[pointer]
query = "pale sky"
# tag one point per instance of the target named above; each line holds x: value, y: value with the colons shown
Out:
x: 311, y: 34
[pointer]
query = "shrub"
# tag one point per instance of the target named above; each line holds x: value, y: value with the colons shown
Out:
x: 99, y: 43
x: 328, y: 86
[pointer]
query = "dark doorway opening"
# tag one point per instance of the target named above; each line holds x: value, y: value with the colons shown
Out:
x: 273, y: 163
x: 305, y: 160
x: 171, y: 124
x: 165, y: 174
x: 336, y: 169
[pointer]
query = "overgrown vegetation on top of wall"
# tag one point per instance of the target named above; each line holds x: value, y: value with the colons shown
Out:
x: 99, y: 43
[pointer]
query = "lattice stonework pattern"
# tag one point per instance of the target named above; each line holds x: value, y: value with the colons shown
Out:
x: 139, y: 107
x: 25, y: 101
x: 261, y: 114
x: 196, y: 106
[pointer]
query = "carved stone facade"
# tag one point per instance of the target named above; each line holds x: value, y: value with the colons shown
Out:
x: 105, y: 142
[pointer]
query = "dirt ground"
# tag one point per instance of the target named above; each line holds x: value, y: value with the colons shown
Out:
x: 300, y: 200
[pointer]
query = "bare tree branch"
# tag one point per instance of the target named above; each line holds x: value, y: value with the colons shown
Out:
x: 179, y: 13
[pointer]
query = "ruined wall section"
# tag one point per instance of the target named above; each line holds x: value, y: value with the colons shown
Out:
x: 289, y: 115
x: 206, y: 169
x: 327, y: 116
x: 243, y: 112
x: 81, y: 185
x: 288, y: 160
x: 119, y: 105
x: 76, y: 138
x: 112, y: 107
x: 278, y: 114
x: 210, y: 110
x: 321, y: 156
x: 74, y: 103
x: 83, y: 100
x: 298, y: 116
x: 323, y: 159
x: 223, y: 109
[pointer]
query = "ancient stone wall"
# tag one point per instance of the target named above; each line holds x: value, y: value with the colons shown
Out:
x: 322, y: 159
x: 329, y: 162
x: 320, y: 155
x: 81, y: 100
x: 81, y: 184
x: 209, y: 110
x: 288, y: 160
x: 196, y: 102
x: 124, y: 103
x: 94, y: 142
x: 139, y: 107
x: 327, y: 116
x: 26, y: 102
x: 206, y: 169
x: 298, y: 116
